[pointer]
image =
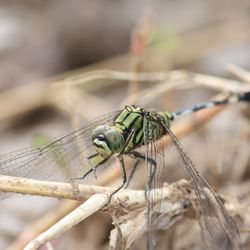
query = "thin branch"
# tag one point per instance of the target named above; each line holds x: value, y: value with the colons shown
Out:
x: 214, y: 82
x: 60, y: 190
x: 114, y: 75
x: 92, y: 205
x: 240, y: 73
x: 180, y: 79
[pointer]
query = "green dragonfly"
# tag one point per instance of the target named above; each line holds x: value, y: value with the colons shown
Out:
x: 121, y: 134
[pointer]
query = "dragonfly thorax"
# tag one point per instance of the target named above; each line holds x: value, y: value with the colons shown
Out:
x: 132, y: 128
x: 107, y: 140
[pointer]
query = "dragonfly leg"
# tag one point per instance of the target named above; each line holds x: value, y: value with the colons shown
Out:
x: 136, y: 154
x: 84, y: 176
x: 124, y: 177
x: 132, y: 173
x: 91, y: 170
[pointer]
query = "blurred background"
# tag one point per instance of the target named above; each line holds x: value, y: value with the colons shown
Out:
x: 47, y: 46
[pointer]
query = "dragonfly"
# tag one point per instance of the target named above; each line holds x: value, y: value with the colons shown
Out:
x: 121, y: 134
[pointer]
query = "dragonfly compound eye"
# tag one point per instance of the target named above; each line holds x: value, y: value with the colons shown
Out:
x: 115, y: 140
x: 99, y: 131
x: 100, y: 142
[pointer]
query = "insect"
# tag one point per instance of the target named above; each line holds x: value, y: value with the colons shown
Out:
x: 121, y: 134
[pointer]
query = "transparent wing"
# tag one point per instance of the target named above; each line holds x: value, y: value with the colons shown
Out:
x: 218, y: 228
x: 62, y: 159
x: 155, y: 169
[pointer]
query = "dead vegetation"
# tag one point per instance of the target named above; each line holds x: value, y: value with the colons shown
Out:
x: 217, y: 140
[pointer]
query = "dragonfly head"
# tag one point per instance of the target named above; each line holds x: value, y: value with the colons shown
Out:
x: 107, y: 140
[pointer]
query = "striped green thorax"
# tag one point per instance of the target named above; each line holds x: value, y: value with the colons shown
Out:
x: 128, y: 132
